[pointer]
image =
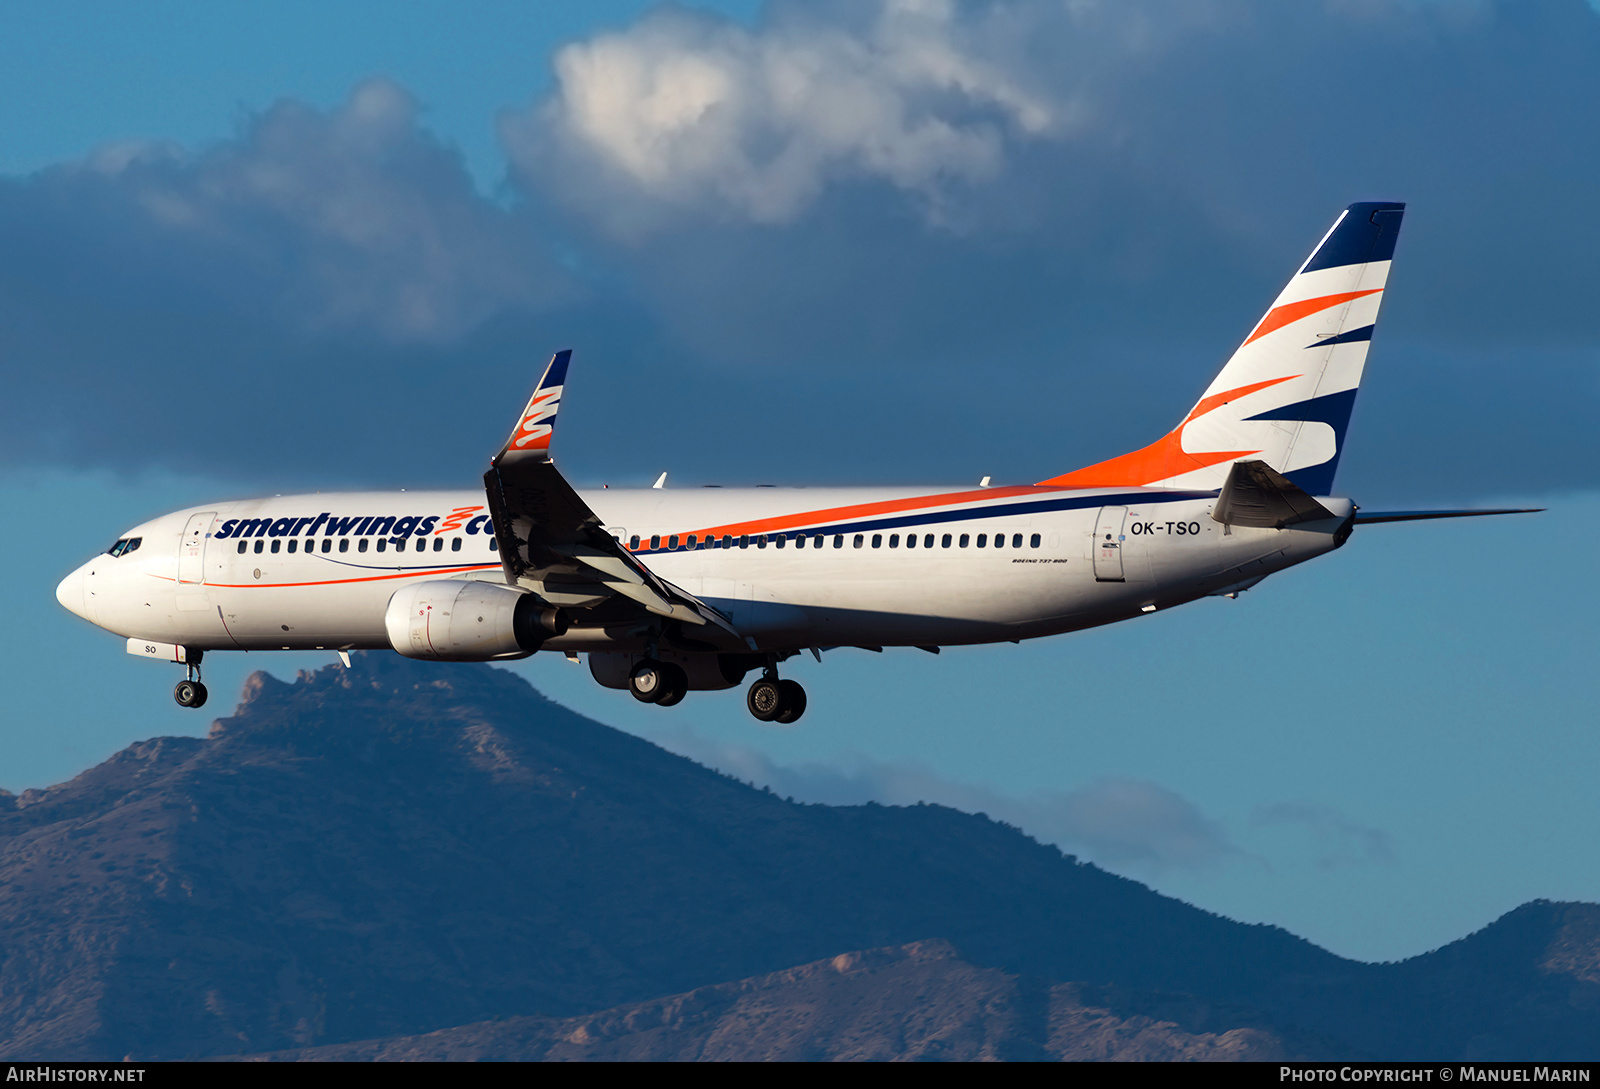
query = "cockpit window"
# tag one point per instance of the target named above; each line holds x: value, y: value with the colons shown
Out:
x: 124, y: 546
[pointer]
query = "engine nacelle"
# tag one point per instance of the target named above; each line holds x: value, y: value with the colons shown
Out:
x: 707, y: 672
x: 452, y: 620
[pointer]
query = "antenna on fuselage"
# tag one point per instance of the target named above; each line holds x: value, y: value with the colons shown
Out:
x: 661, y: 481
x: 984, y: 483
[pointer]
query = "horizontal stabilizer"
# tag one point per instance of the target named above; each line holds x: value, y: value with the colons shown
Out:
x: 1365, y: 518
x: 1255, y: 494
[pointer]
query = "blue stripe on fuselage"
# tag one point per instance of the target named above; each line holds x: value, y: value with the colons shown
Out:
x: 972, y: 514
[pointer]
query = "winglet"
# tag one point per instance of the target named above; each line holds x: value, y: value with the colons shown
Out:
x: 538, y: 422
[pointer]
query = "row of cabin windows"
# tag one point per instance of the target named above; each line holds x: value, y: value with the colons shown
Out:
x: 361, y: 545
x: 819, y: 540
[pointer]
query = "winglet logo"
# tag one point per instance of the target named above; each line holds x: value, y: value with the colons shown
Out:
x: 453, y: 520
x: 533, y: 433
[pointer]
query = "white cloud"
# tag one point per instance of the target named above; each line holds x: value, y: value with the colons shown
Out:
x: 690, y: 109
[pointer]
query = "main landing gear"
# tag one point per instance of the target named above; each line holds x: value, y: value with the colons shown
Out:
x: 769, y: 699
x: 660, y: 683
x: 190, y: 692
x: 772, y: 700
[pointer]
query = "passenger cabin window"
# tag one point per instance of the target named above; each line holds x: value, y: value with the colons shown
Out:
x: 783, y: 538
x: 894, y: 540
x: 999, y: 540
x: 744, y: 540
x: 761, y: 541
x: 982, y: 539
x: 633, y: 542
x: 672, y: 542
x: 838, y: 540
x: 927, y: 542
x: 816, y: 542
x: 438, y: 544
x: 693, y: 541
x: 964, y: 539
x: 494, y: 544
x: 877, y: 540
x: 799, y: 540
x: 944, y: 542
x: 383, y: 544
x: 242, y: 546
x: 455, y: 544
x: 655, y: 542
x: 361, y: 546
x: 1033, y: 542
x: 727, y: 541
x: 860, y: 540
x: 292, y: 545
x: 327, y: 544
x: 1016, y: 540
x: 344, y: 544
x: 259, y: 546
x: 911, y: 540
x: 275, y: 545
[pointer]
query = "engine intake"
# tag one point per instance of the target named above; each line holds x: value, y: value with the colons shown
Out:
x: 451, y: 620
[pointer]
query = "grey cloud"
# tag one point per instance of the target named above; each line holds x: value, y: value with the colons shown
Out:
x: 354, y: 220
x: 1337, y: 841
x: 323, y: 298
x: 321, y: 289
x: 1128, y: 825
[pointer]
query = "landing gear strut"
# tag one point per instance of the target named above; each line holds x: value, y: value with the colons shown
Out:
x: 190, y: 692
x: 772, y: 700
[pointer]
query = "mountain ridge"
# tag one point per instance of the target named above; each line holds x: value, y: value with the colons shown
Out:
x: 402, y: 848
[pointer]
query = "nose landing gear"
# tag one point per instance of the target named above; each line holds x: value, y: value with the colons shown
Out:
x: 190, y: 692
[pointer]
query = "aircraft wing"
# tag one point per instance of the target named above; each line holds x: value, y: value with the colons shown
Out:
x: 551, y: 542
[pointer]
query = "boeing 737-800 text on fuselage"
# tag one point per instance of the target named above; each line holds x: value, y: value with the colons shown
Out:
x: 670, y: 591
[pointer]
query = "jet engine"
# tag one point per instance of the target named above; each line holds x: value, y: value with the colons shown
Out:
x: 452, y: 620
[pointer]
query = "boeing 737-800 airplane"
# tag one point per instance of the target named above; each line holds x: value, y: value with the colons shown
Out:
x: 670, y: 591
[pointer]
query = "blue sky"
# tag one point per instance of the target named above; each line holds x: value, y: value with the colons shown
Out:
x: 259, y: 250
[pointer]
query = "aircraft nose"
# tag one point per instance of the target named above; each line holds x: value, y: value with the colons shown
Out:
x: 70, y: 593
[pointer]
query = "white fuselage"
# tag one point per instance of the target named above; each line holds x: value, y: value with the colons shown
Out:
x: 318, y: 571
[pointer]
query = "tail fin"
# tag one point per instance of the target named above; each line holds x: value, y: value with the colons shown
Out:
x: 1286, y: 395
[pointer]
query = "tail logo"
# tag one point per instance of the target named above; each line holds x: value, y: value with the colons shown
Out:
x: 1279, y: 316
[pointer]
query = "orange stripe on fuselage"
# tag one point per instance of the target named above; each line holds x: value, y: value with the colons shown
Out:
x: 1164, y: 458
x: 339, y: 582
x: 1279, y: 316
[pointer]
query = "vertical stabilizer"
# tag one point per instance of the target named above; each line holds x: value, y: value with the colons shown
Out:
x: 1286, y: 395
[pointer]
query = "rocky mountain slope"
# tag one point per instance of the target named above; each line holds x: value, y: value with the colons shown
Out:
x: 403, y: 848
